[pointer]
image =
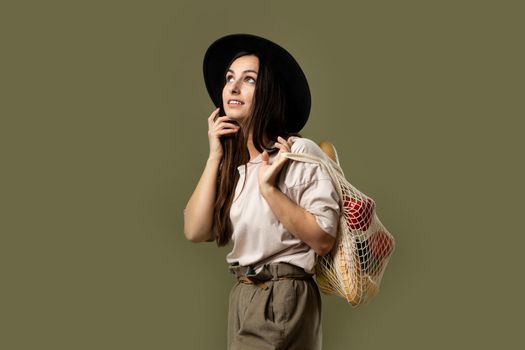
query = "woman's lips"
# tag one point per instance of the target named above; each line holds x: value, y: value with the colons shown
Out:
x: 235, y: 104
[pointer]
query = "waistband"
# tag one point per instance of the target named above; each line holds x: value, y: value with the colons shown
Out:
x: 269, y: 272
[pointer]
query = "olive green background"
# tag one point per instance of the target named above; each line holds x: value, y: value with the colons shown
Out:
x: 103, y: 138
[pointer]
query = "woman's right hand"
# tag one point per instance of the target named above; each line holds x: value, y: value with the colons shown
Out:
x: 217, y: 127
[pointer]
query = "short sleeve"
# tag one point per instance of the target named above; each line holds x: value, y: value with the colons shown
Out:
x: 312, y: 188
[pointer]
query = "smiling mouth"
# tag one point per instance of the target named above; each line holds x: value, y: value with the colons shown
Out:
x: 235, y: 103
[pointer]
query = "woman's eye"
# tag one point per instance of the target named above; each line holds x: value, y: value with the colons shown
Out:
x: 250, y: 80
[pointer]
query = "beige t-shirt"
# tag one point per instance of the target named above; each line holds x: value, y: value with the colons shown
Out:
x: 258, y: 236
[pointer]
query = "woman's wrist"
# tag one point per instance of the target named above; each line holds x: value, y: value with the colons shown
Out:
x: 214, y: 159
x: 267, y: 190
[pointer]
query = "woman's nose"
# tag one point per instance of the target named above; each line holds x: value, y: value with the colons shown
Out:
x: 234, y: 87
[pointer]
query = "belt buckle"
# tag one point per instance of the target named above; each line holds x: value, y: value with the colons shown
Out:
x: 250, y: 275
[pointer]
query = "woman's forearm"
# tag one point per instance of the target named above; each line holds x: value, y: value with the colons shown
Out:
x: 298, y: 221
x: 198, y: 214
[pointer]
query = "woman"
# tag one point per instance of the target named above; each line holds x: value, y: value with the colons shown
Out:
x: 278, y: 214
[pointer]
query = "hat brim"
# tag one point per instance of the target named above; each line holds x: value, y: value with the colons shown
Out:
x: 221, y: 52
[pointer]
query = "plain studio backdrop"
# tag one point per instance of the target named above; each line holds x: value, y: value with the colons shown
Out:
x: 104, y: 137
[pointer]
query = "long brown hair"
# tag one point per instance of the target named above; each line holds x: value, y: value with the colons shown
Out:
x: 267, y: 122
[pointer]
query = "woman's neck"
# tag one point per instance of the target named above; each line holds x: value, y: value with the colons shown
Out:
x: 252, y: 150
x: 254, y: 153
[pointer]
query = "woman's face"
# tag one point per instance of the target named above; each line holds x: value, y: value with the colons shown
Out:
x: 237, y: 94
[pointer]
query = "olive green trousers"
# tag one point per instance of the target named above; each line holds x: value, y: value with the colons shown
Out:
x: 278, y: 308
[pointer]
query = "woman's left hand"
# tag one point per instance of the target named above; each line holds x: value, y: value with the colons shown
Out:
x: 268, y: 173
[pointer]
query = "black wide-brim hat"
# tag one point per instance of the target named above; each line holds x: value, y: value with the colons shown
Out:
x: 221, y: 52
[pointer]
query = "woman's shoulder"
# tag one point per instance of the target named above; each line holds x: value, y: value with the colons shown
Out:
x: 306, y: 145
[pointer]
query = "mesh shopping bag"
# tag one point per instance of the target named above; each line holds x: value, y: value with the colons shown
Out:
x: 355, y: 266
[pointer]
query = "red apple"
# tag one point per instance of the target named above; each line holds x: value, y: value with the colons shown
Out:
x: 358, y: 212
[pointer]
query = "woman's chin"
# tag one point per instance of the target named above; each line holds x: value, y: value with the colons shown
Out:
x: 235, y: 115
